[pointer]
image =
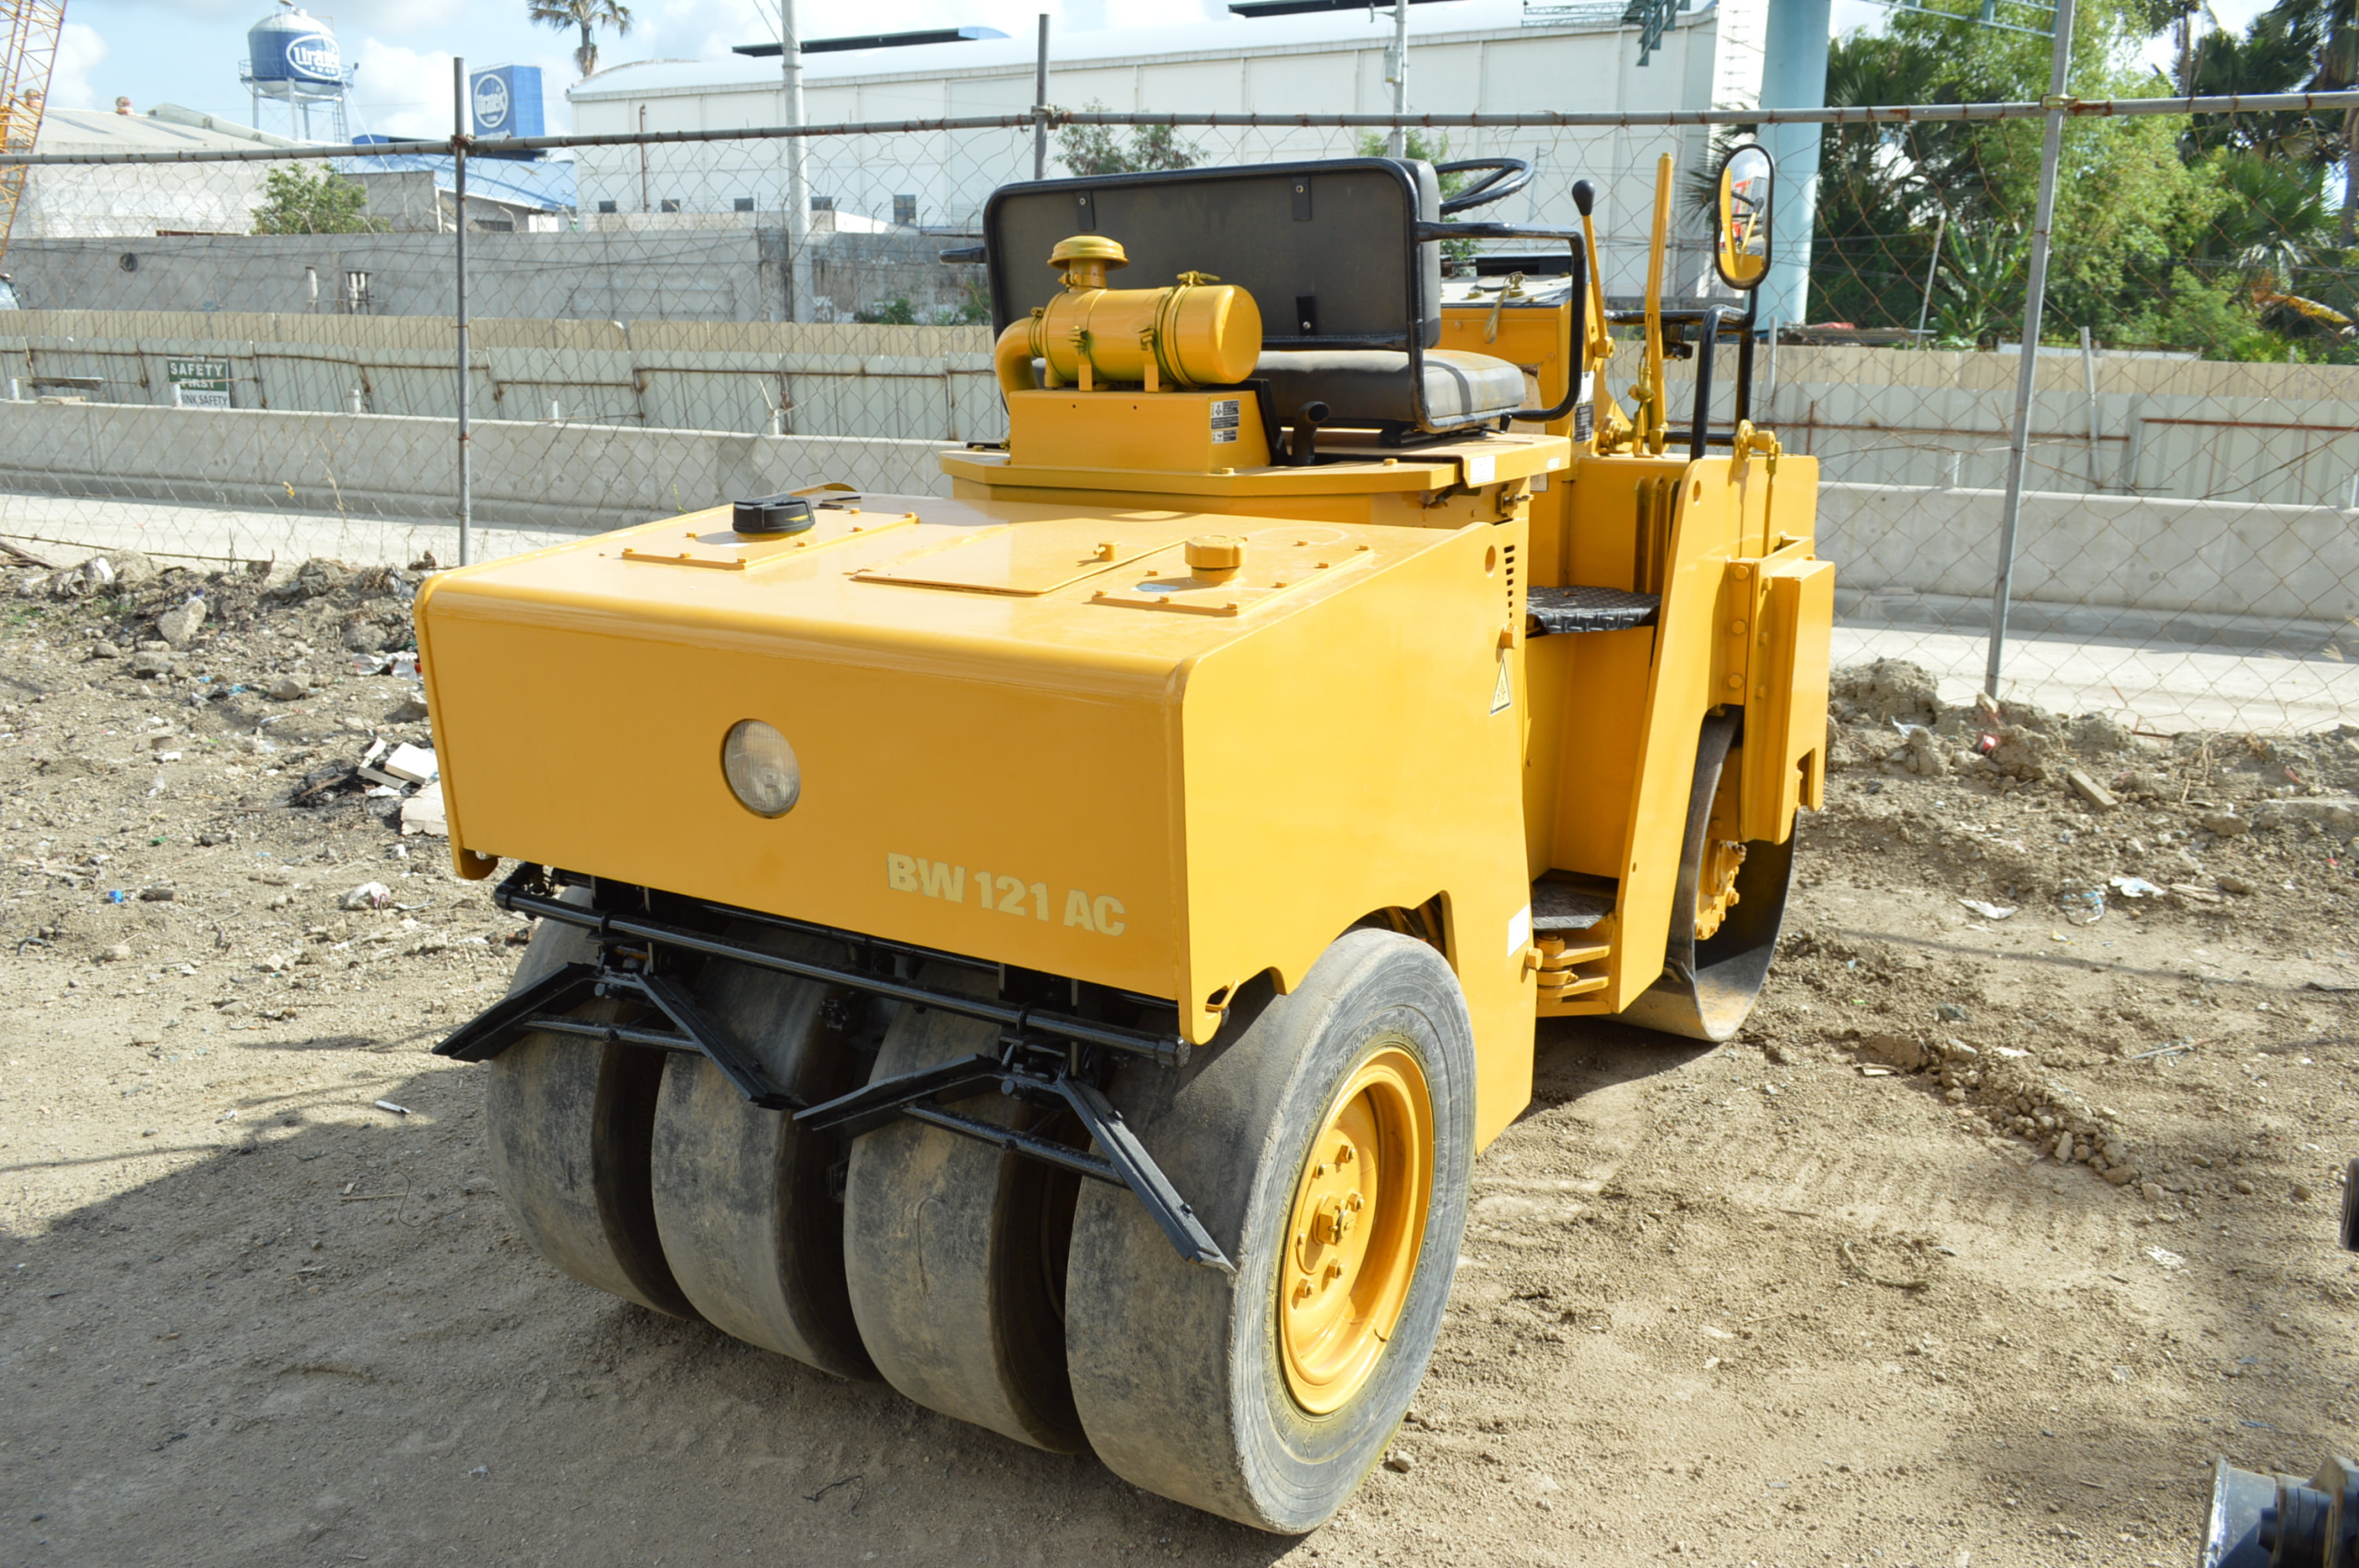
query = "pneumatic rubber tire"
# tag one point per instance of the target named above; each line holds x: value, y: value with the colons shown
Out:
x: 1177, y: 1369
x: 742, y: 1205
x: 570, y: 1124
x: 953, y: 1249
x: 1708, y: 988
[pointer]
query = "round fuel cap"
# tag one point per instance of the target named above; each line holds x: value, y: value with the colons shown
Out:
x: 771, y: 514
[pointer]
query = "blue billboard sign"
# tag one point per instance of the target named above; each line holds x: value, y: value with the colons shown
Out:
x: 506, y: 100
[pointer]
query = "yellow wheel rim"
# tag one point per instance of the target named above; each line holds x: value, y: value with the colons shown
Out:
x: 1357, y: 1225
x: 1716, y: 892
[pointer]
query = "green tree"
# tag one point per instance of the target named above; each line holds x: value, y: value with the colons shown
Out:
x: 1099, y: 150
x: 2331, y: 27
x: 2210, y: 234
x: 898, y: 312
x: 586, y: 16
x: 1417, y: 149
x: 297, y: 200
x: 2274, y: 54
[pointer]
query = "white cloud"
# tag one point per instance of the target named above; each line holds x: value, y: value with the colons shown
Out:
x: 406, y: 92
x: 80, y: 50
x: 400, y: 92
x: 396, y: 17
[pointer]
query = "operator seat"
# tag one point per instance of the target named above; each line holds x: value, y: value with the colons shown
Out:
x: 1350, y: 297
x: 1371, y: 386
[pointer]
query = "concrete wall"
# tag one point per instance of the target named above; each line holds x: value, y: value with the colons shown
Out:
x: 2119, y: 568
x: 2276, y: 434
x: 2201, y: 573
x: 708, y: 275
x: 732, y: 271
x: 306, y: 465
x: 921, y: 383
x: 2159, y: 425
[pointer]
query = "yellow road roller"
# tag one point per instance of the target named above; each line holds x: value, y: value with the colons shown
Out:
x: 1060, y: 948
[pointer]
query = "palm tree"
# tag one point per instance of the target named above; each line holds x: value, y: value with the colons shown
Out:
x: 587, y: 14
x: 2331, y: 27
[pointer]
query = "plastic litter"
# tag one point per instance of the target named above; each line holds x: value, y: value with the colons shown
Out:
x: 368, y: 896
x: 2136, y: 887
x: 1989, y: 911
x: 2088, y: 901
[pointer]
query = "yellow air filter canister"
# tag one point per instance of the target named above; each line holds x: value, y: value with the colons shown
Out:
x: 1200, y: 332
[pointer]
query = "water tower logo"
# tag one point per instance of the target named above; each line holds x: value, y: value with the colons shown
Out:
x: 314, y: 55
x: 491, y: 104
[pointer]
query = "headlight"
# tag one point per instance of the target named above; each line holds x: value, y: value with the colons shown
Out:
x: 761, y: 769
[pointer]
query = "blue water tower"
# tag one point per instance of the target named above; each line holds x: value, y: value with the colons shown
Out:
x: 292, y: 58
x: 293, y: 46
x: 506, y: 100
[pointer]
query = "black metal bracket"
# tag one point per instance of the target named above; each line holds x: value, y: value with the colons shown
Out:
x: 1123, y: 1159
x: 526, y: 893
x: 539, y: 1007
x: 702, y: 1033
x: 498, y: 1026
x: 1708, y: 321
x: 1020, y: 1068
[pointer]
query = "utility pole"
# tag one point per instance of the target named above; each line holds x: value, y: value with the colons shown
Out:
x: 459, y: 280
x: 1040, y: 104
x: 1397, y: 144
x: 798, y: 167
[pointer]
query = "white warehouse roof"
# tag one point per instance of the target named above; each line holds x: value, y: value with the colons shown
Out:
x: 1226, y: 39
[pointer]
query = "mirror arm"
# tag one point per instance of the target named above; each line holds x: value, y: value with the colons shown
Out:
x: 1745, y: 357
x: 1707, y: 341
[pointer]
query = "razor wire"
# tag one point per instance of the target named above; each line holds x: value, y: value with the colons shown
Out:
x: 250, y: 356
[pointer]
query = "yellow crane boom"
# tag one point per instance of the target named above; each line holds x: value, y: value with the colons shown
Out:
x: 27, y: 54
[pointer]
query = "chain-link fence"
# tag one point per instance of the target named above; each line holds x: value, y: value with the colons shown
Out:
x: 253, y: 356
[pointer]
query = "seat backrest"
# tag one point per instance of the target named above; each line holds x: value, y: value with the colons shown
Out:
x: 1327, y: 250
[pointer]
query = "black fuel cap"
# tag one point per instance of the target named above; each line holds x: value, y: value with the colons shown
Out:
x: 771, y: 514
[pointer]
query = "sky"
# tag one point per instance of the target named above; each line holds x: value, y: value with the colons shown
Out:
x: 186, y: 51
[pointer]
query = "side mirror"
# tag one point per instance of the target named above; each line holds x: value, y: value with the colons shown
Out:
x: 1741, y: 218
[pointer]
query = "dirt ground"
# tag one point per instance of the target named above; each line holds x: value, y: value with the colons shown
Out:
x: 1823, y: 1295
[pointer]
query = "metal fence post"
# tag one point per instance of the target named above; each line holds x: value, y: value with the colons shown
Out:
x: 798, y: 271
x: 2028, y: 374
x: 459, y: 272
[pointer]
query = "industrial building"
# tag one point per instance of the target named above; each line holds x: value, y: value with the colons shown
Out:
x: 80, y: 201
x: 1478, y: 57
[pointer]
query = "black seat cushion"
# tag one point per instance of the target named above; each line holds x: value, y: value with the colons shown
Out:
x: 1371, y: 386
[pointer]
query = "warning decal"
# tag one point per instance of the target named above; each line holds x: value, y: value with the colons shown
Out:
x: 1502, y: 695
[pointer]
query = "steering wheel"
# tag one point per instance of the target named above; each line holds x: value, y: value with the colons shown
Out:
x: 1507, y: 176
